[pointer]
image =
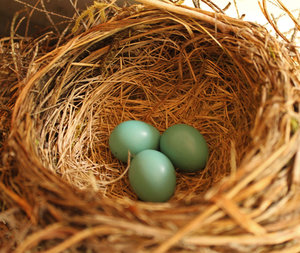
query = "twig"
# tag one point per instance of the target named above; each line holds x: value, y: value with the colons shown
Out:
x: 84, y: 234
x: 236, y: 8
x: 122, y: 175
x: 196, y: 3
x: 78, y: 14
x: 38, y: 236
x: 213, y: 6
x: 41, y: 10
x: 28, y: 19
x: 190, y: 13
x: 49, y: 17
x: 21, y: 202
x: 263, y: 8
x: 297, y: 23
x: 227, y: 7
x: 295, y: 30
x: 12, y: 35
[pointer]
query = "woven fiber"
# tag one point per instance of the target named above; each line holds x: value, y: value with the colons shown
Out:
x: 62, y: 189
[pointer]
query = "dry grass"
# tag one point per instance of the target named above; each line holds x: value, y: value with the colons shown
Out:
x: 169, y: 64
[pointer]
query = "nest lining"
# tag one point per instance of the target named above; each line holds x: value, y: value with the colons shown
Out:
x: 157, y: 74
x: 162, y: 68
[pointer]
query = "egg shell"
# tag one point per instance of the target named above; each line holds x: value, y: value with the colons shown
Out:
x: 134, y: 136
x: 152, y: 176
x: 185, y: 146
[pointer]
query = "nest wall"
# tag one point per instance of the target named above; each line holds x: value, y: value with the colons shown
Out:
x: 230, y: 79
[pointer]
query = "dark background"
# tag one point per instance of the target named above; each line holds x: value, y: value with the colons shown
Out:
x: 38, y: 20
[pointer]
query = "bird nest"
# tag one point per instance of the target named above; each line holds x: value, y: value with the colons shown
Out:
x: 165, y: 64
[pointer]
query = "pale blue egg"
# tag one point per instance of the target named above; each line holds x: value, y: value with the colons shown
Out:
x: 134, y: 136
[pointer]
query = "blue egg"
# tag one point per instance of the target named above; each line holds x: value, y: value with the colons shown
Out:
x: 152, y: 176
x: 185, y: 146
x: 133, y: 136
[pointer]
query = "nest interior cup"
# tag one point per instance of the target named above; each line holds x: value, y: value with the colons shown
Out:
x: 234, y: 83
x: 162, y: 74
